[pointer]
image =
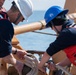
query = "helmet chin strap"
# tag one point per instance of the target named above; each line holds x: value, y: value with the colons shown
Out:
x: 57, y: 30
x: 19, y: 15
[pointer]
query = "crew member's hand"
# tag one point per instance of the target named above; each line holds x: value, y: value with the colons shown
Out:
x: 51, y: 66
x: 21, y: 53
x: 42, y: 69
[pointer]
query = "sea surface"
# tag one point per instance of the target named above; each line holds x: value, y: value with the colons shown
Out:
x: 36, y: 41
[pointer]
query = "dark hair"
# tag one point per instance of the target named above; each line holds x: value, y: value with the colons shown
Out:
x: 58, y: 20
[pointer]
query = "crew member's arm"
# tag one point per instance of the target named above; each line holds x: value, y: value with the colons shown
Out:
x: 18, y: 52
x: 65, y: 62
x: 44, y: 59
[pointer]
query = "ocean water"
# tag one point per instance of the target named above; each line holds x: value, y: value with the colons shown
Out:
x: 36, y: 41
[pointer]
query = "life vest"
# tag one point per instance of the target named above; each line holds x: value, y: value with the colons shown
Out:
x: 71, y: 53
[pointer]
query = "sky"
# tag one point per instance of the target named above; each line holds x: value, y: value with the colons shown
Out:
x: 39, y: 4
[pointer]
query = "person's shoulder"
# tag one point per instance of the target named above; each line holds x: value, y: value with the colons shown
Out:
x: 68, y: 31
x: 65, y: 31
x: 5, y: 23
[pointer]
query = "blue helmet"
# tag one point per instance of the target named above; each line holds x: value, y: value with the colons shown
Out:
x: 52, y: 12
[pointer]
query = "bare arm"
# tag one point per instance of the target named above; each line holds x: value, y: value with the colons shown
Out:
x: 65, y: 62
x: 19, y: 53
x: 44, y: 59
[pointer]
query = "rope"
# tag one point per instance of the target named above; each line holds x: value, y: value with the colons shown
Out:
x: 42, y: 25
x: 44, y: 33
x: 63, y: 69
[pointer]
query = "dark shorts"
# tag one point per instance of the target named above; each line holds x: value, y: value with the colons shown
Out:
x: 71, y: 53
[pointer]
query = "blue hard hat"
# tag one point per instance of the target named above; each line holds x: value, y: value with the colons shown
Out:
x: 52, y: 12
